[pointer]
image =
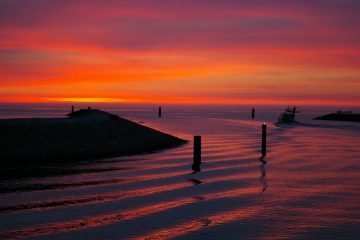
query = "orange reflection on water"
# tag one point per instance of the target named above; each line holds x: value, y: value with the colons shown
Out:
x: 80, y: 224
x: 303, y: 220
x: 96, y: 198
x: 198, y: 224
x: 55, y: 228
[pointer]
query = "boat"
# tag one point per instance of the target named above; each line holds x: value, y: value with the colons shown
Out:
x: 288, y: 116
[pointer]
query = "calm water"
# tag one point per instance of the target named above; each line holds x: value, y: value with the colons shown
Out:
x: 309, y: 189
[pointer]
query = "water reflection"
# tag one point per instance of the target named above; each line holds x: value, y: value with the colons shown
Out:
x: 317, y: 200
x: 262, y: 159
x: 263, y: 178
x: 198, y: 198
x: 194, y: 181
x: 217, y: 219
x: 206, y: 221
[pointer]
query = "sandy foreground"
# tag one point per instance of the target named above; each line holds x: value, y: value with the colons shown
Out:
x: 84, y: 135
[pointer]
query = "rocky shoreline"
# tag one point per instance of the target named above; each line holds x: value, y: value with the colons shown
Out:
x: 340, y: 116
x: 84, y: 135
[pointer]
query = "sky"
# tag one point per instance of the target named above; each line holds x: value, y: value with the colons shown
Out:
x: 181, y: 51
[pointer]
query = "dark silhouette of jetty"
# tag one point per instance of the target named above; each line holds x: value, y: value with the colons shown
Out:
x: 85, y: 134
x: 341, y: 116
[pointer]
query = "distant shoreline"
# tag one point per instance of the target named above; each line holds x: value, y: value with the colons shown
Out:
x: 84, y: 135
x: 340, y: 116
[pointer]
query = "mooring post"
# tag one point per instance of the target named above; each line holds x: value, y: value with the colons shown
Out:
x: 160, y: 112
x: 72, y: 109
x: 197, y: 153
x: 263, y: 142
x: 253, y: 113
x: 89, y: 108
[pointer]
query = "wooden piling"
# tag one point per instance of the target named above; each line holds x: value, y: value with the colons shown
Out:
x: 263, y: 142
x: 159, y: 112
x: 72, y: 109
x: 253, y: 113
x: 197, y: 153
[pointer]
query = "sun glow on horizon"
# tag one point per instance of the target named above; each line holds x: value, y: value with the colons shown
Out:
x: 93, y: 100
x: 203, y: 101
x: 184, y: 52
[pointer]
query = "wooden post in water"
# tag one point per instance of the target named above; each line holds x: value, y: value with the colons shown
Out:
x: 253, y: 113
x: 263, y: 142
x: 160, y: 112
x: 72, y: 109
x: 197, y: 154
x: 89, y: 108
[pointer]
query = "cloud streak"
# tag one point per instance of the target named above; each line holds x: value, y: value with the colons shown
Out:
x: 108, y: 44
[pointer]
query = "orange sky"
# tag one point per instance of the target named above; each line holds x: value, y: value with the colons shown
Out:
x: 231, y: 52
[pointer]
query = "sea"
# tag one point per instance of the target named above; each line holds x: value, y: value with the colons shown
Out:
x: 309, y: 187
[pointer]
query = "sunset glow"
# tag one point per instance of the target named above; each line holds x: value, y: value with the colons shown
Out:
x: 228, y: 52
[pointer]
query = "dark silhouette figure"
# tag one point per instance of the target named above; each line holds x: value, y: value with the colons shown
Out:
x: 159, y: 112
x: 253, y: 113
x: 197, y: 154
